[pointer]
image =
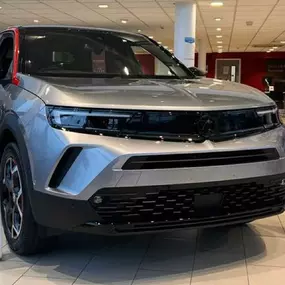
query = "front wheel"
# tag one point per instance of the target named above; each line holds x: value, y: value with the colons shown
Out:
x: 20, y: 228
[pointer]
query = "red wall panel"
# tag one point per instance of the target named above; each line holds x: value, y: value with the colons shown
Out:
x: 147, y: 63
x: 253, y: 65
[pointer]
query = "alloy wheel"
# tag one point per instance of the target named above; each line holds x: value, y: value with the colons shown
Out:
x: 12, y: 198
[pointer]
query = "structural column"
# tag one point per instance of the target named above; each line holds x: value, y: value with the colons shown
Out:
x: 185, y: 32
x: 202, y: 55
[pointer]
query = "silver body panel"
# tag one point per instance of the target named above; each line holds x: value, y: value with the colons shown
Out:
x: 196, y: 94
x: 99, y: 164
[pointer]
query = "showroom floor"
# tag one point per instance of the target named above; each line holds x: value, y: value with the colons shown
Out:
x: 252, y: 255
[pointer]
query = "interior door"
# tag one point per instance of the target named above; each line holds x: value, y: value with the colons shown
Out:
x: 228, y: 69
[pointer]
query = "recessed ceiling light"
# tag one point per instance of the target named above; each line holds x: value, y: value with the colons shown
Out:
x: 151, y: 37
x: 166, y: 47
x: 219, y: 36
x: 217, y: 4
x: 0, y: 7
x: 218, y: 19
x: 139, y: 31
x: 268, y: 51
x: 219, y: 29
x: 36, y: 21
x: 171, y: 50
x: 103, y: 6
x: 220, y: 51
x: 275, y: 47
x: 219, y: 46
x: 219, y: 42
x: 124, y: 21
x: 159, y: 43
x: 282, y: 42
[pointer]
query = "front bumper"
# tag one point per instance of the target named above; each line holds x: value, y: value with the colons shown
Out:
x: 101, y: 162
x: 159, y: 208
x: 100, y: 168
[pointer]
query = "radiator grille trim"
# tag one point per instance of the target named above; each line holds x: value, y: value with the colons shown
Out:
x: 200, y: 159
x: 176, y: 203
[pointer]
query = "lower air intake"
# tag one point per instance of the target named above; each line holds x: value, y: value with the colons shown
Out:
x: 64, y: 165
x: 200, y: 159
x: 174, y: 203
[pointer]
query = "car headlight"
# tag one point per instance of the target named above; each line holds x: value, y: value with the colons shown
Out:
x: 89, y: 121
x: 269, y: 117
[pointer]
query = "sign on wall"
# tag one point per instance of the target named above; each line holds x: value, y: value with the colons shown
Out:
x: 189, y: 40
x: 275, y: 65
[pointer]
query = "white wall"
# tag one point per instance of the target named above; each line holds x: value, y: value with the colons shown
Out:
x: 160, y: 68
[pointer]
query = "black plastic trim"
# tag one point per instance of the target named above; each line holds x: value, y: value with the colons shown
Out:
x: 185, y: 203
x: 61, y: 213
x: 64, y: 165
x: 200, y: 159
x: 11, y: 123
x: 69, y: 214
x: 198, y: 131
x: 201, y: 223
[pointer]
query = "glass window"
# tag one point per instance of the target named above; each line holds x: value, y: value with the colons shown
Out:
x: 97, y: 53
x: 6, y: 58
x: 142, y: 56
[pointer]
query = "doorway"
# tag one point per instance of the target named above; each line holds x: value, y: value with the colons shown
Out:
x: 228, y: 69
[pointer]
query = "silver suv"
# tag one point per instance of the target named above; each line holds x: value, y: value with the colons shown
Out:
x: 94, y: 138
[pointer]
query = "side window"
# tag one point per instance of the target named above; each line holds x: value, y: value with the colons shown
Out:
x: 6, y: 58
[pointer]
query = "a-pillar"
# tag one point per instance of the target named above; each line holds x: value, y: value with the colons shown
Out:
x: 202, y: 57
x: 185, y: 32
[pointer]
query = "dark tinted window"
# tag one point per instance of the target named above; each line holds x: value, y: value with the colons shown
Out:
x: 96, y: 53
x: 6, y: 58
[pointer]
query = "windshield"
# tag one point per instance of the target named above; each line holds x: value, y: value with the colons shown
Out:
x: 87, y: 52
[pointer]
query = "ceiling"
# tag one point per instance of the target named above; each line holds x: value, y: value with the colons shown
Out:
x: 156, y: 18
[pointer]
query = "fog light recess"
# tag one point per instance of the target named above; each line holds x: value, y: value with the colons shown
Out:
x: 97, y: 200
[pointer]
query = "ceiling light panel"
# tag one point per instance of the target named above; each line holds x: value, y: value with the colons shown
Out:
x: 217, y: 4
x: 85, y: 12
x: 103, y: 6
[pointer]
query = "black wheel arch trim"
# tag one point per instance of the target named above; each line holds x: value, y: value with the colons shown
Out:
x: 11, y: 123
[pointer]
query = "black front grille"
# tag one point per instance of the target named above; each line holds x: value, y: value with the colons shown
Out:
x: 175, y: 126
x: 185, y: 202
x: 200, y: 159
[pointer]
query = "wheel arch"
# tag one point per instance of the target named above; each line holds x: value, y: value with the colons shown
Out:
x: 6, y: 137
x: 12, y: 131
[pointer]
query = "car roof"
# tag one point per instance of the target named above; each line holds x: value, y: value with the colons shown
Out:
x: 70, y: 27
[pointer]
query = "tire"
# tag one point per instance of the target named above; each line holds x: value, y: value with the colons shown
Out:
x: 23, y: 234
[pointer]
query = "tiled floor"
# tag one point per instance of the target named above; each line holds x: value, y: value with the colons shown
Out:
x: 253, y: 254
